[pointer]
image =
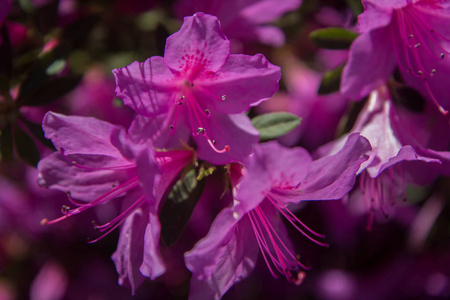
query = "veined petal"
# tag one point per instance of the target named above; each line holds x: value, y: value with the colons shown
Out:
x: 331, y: 177
x: 57, y: 173
x: 199, y: 41
x: 225, y: 256
x: 130, y: 250
x: 371, y: 62
x: 152, y: 263
x: 235, y: 131
x: 244, y: 81
x: 145, y: 87
x: 81, y: 135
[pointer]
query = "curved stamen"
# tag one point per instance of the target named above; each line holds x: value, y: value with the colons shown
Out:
x: 117, y: 191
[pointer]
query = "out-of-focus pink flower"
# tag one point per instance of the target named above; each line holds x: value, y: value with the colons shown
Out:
x: 94, y: 96
x: 50, y: 284
x: 243, y: 20
x: 198, y: 90
x: 410, y: 35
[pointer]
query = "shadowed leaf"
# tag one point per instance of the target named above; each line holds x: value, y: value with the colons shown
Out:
x: 333, y: 38
x: 331, y: 81
x: 179, y: 205
x: 274, y: 125
x: 6, y: 143
x: 25, y: 147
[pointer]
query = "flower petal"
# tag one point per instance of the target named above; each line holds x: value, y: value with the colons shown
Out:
x: 130, y: 250
x: 145, y: 87
x: 371, y: 62
x: 225, y: 256
x: 244, y: 81
x: 331, y: 177
x: 199, y: 39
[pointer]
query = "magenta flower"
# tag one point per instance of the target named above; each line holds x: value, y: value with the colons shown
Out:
x: 275, y: 176
x: 395, y: 151
x: 243, y: 20
x: 198, y: 89
x: 98, y: 163
x: 410, y: 35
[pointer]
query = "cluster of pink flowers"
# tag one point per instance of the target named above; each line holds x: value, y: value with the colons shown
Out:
x: 194, y: 183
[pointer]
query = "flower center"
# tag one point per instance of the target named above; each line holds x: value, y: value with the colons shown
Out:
x: 187, y: 102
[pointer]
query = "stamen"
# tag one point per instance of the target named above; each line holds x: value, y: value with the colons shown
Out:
x: 75, y: 164
x: 225, y: 149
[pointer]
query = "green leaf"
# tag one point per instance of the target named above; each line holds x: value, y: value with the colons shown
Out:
x: 5, y: 53
x: 179, y: 205
x: 25, y: 147
x: 50, y: 90
x: 331, y: 81
x: 274, y: 125
x: 333, y: 38
x: 39, y: 75
x: 6, y: 143
x: 356, y: 6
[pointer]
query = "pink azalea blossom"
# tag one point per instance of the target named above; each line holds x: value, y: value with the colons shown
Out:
x: 412, y: 35
x: 246, y: 20
x: 275, y: 176
x: 395, y: 152
x: 97, y: 164
x: 198, y: 89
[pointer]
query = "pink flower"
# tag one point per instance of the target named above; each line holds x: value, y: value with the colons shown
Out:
x: 275, y: 177
x: 410, y: 35
x: 198, y: 89
x: 244, y: 20
x: 398, y: 149
x: 96, y: 164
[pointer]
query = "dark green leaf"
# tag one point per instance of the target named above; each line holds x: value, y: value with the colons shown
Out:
x: 50, y: 90
x: 38, y: 133
x: 356, y: 6
x: 333, y: 38
x: 39, y: 74
x: 274, y: 125
x: 178, y: 206
x: 331, y: 81
x: 6, y: 143
x: 5, y: 53
x: 26, y: 147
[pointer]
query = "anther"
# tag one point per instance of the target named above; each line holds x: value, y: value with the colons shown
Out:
x: 201, y: 130
x: 442, y: 55
x: 207, y: 111
x: 235, y: 215
x: 410, y: 36
x: 171, y: 127
x: 419, y: 73
x: 65, y: 209
x: 417, y: 45
x: 74, y: 162
x: 44, y: 221
x: 223, y: 97
x: 433, y: 71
